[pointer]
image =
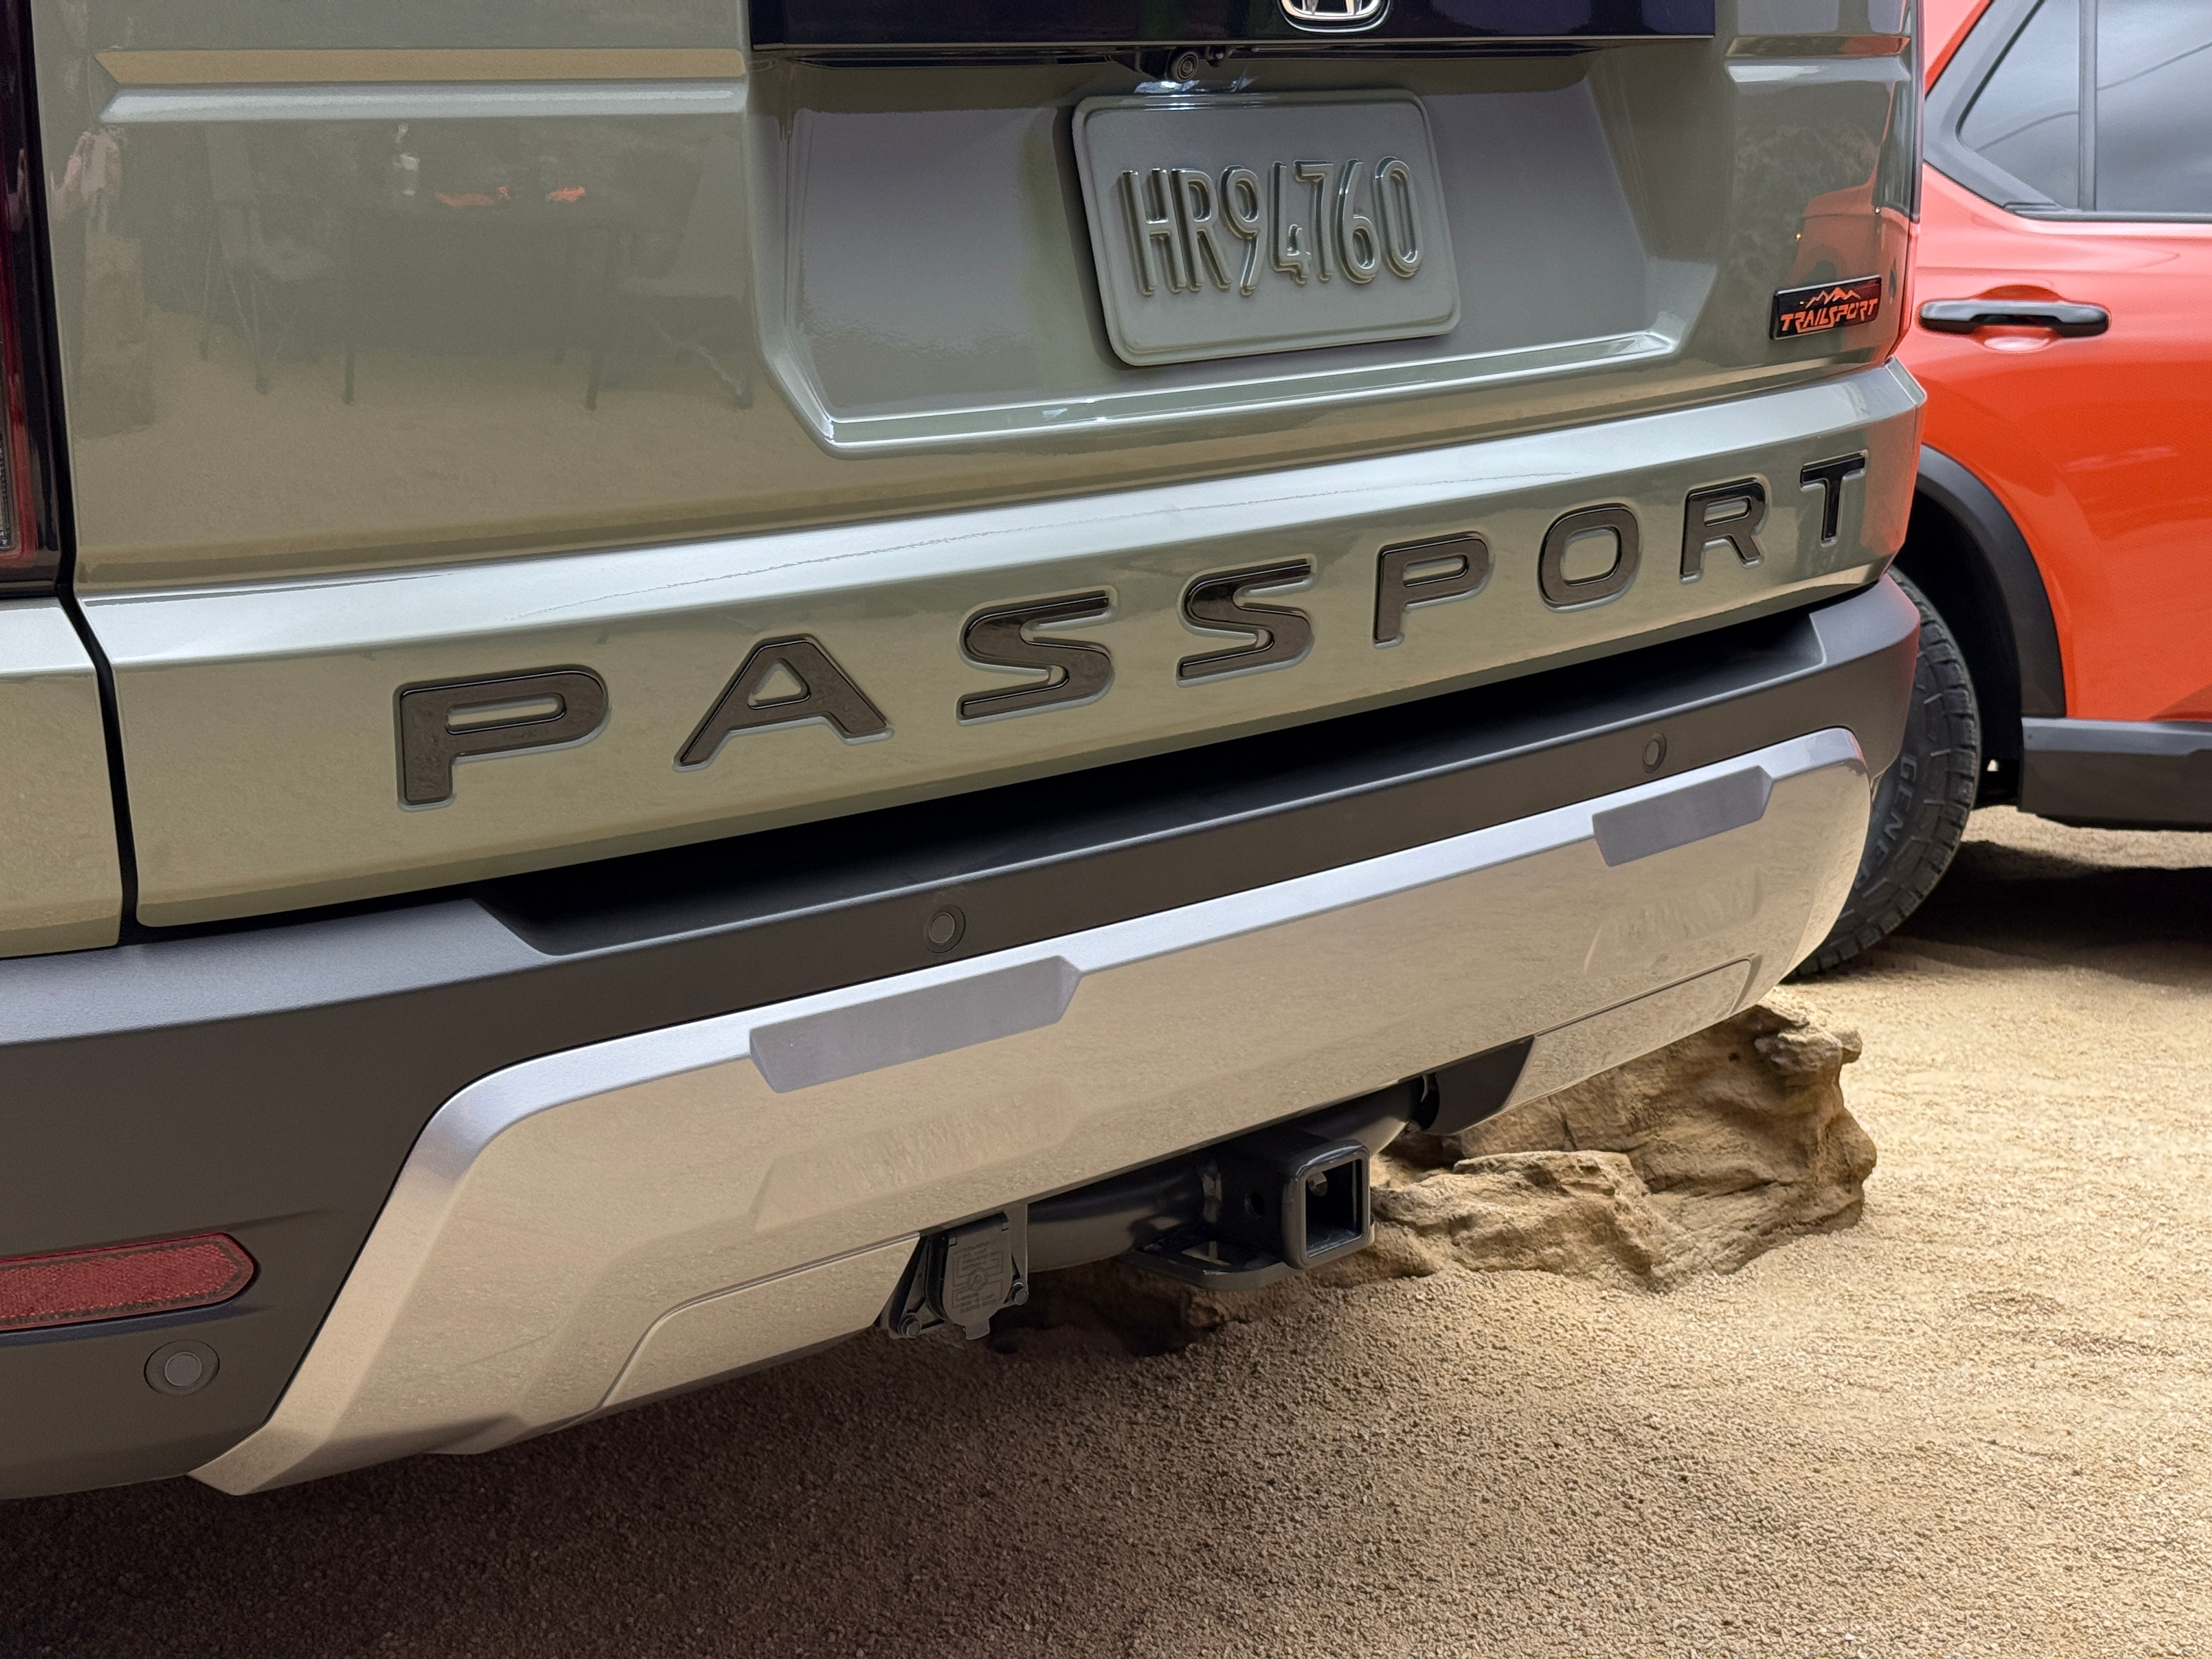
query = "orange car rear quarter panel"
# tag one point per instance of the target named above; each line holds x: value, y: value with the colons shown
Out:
x: 2100, y: 447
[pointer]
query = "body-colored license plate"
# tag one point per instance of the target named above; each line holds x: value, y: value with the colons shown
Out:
x: 1227, y: 225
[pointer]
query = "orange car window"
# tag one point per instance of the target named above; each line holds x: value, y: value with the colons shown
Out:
x: 2153, y: 152
x: 2025, y: 117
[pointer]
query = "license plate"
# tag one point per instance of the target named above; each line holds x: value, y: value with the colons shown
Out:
x: 1229, y: 226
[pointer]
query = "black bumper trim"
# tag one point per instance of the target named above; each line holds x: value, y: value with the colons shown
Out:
x: 2118, y: 774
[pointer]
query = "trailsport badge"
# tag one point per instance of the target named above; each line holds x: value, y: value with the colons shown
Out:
x: 1824, y: 306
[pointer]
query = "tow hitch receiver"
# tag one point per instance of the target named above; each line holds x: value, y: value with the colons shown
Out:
x: 1233, y: 1216
x: 1275, y: 1203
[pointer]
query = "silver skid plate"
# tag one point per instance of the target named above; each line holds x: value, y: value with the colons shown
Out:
x: 589, y: 1229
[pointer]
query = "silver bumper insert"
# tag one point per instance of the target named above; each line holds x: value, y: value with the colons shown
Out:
x: 592, y: 1228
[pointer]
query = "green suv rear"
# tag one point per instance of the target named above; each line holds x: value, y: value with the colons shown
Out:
x: 683, y: 679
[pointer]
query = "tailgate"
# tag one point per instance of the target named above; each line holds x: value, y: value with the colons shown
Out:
x: 407, y: 349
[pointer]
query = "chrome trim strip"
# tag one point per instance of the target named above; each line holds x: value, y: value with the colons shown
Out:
x: 911, y: 1026
x: 258, y: 66
x: 1628, y: 832
x: 423, y: 102
x: 1307, y: 388
x: 553, y: 1215
x: 1679, y: 291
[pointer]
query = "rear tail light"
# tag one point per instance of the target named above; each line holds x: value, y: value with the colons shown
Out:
x: 78, y: 1286
x: 30, y: 540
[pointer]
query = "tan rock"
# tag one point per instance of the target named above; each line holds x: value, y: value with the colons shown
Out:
x: 1739, y: 1133
x: 1586, y: 1213
x: 1693, y: 1159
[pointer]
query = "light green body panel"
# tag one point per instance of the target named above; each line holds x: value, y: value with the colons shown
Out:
x: 258, y: 719
x: 904, y: 275
x: 407, y: 343
x: 60, y: 886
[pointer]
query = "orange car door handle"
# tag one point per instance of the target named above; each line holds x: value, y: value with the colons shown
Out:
x: 2059, y: 316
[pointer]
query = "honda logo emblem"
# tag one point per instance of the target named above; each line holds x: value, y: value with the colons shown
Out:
x: 1321, y: 15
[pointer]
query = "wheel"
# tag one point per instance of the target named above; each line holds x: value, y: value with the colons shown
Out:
x: 1920, y: 804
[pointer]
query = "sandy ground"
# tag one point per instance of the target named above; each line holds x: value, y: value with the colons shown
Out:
x: 1977, y: 1424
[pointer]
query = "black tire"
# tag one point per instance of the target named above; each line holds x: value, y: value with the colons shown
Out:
x: 1920, y: 804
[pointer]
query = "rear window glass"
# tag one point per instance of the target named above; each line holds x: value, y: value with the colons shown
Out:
x: 2026, y: 118
x: 2153, y: 106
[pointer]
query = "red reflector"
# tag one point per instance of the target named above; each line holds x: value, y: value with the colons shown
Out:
x: 121, y: 1281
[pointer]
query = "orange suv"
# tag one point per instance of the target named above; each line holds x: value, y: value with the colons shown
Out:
x: 2061, y: 538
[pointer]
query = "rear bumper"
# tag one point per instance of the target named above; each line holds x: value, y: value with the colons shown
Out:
x: 641, y: 1124
x: 595, y: 1227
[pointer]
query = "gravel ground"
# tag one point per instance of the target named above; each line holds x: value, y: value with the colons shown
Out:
x: 1974, y: 1424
